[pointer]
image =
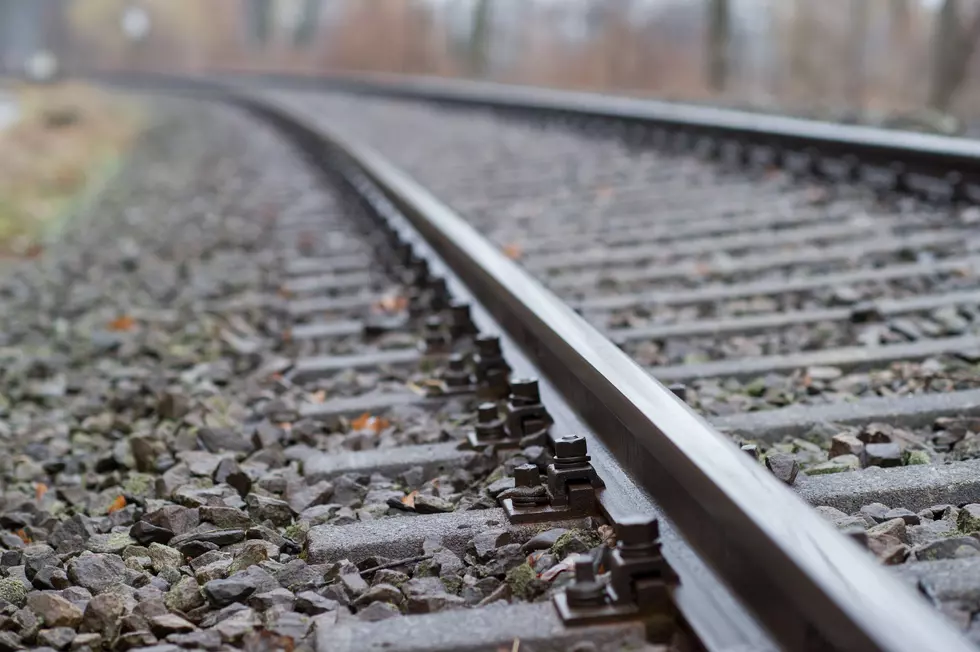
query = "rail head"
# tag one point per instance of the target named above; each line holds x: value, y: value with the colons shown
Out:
x: 812, y: 587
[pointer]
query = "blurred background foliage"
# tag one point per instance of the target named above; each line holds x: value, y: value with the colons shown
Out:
x: 883, y: 60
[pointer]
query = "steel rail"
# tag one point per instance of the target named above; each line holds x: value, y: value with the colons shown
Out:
x: 813, y: 588
x: 912, y: 155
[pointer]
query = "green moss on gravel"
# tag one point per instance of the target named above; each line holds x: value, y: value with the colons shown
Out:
x: 967, y: 522
x: 520, y: 579
x: 561, y: 545
x: 453, y: 584
x: 915, y: 457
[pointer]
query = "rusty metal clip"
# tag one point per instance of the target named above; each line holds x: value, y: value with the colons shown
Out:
x: 456, y: 375
x: 527, y: 420
x: 640, y: 583
x: 435, y: 341
x: 492, y: 371
x: 568, y: 493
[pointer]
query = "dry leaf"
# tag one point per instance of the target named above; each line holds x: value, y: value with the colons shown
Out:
x: 39, y: 490
x: 608, y: 534
x: 286, y: 426
x: 702, y: 269
x: 117, y: 504
x: 285, y: 294
x: 409, y: 500
x: 368, y: 422
x: 266, y: 641
x: 319, y: 396
x: 305, y: 242
x: 391, y: 303
x: 23, y: 536
x: 567, y: 564
x: 513, y: 251
x: 287, y: 335
x: 124, y: 323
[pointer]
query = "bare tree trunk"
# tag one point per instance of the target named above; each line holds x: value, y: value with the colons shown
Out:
x: 859, y: 20
x: 900, y: 61
x: 480, y: 39
x: 952, y: 50
x: 258, y: 16
x: 900, y: 20
x: 618, y: 44
x: 719, y: 37
x: 308, y: 24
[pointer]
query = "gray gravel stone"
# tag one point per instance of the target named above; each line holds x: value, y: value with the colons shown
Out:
x: 164, y: 557
x: 910, y: 517
x: 883, y: 455
x: 542, y: 541
x: 484, y: 543
x: 57, y: 638
x: 96, y: 572
x: 263, y: 508
x: 225, y: 518
x: 949, y: 548
x: 783, y: 466
x: 54, y: 610
x: 314, y: 604
x: 378, y: 611
x: 223, y: 592
x: 275, y: 598
x: 380, y: 593
x: 184, y: 596
x: 167, y: 624
x: 176, y: 518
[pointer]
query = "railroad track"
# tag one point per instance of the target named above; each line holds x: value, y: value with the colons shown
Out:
x: 425, y: 430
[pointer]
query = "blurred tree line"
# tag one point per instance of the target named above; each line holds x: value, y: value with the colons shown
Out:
x: 857, y: 56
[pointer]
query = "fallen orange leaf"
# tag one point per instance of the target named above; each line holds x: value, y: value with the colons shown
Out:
x: 392, y: 303
x: 409, y: 500
x: 286, y: 426
x: 513, y: 251
x: 124, y: 323
x: 117, y: 504
x: 39, y: 490
x: 368, y: 422
x: 305, y: 242
x: 23, y: 536
x: 702, y: 269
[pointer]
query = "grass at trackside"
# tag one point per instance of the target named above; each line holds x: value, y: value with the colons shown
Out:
x: 65, y: 137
